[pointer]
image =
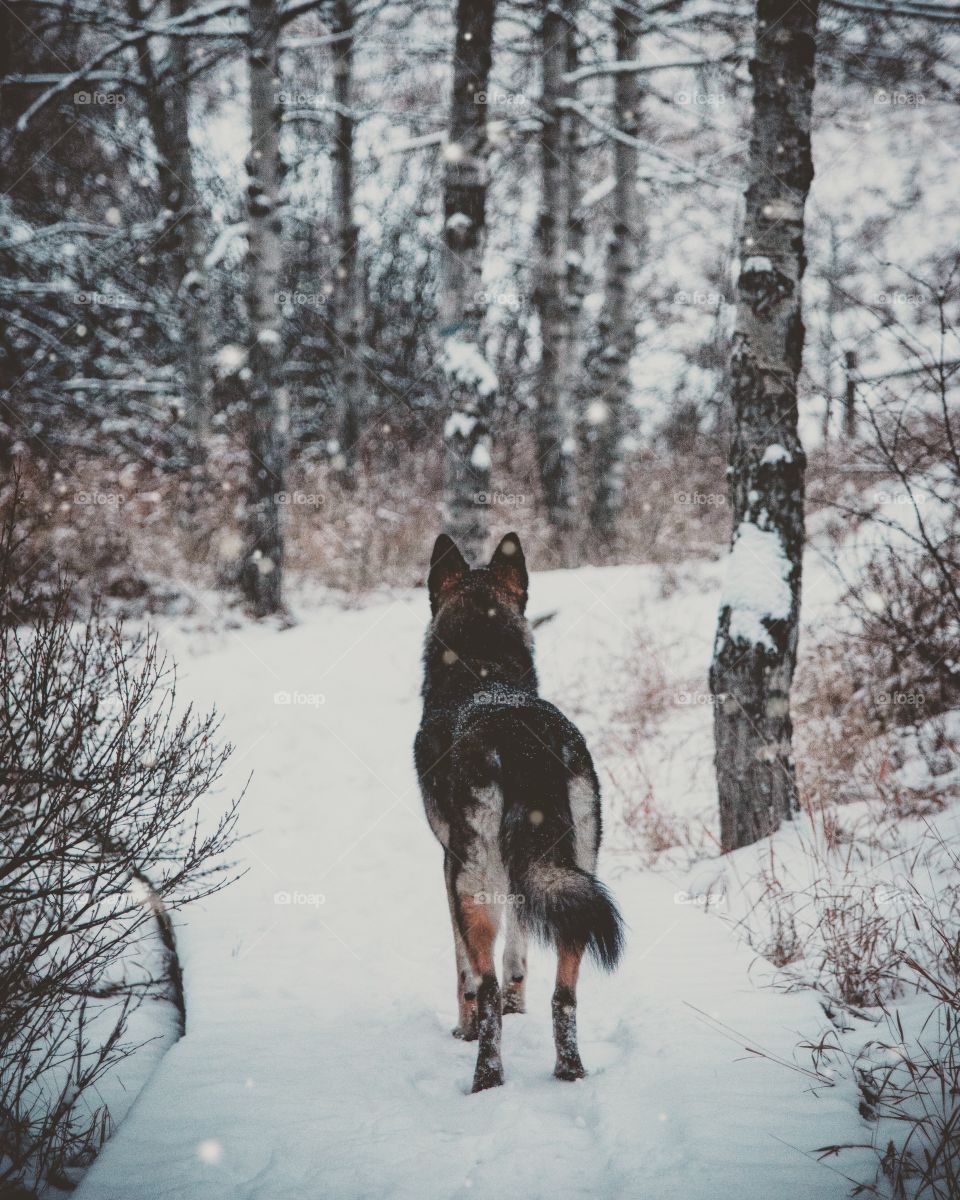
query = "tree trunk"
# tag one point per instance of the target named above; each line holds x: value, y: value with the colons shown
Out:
x: 266, y: 397
x: 470, y: 381
x: 556, y: 270
x: 608, y: 391
x: 180, y: 246
x: 756, y: 643
x: 347, y: 298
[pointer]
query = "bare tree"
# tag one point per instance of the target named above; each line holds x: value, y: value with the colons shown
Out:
x: 347, y: 316
x: 555, y: 300
x: 167, y: 103
x: 756, y: 643
x: 268, y: 414
x: 471, y: 383
x: 608, y: 381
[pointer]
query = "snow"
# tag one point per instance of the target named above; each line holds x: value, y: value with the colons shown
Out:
x: 230, y: 358
x: 463, y: 362
x: 458, y: 222
x: 756, y: 589
x: 480, y: 458
x: 318, y: 1059
x: 459, y: 424
x: 225, y: 238
x: 775, y: 454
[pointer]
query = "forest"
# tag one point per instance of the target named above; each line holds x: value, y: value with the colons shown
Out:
x: 669, y: 288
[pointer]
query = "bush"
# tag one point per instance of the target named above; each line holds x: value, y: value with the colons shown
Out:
x: 101, y: 838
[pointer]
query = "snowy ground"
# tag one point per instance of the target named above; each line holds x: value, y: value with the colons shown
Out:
x: 318, y: 1060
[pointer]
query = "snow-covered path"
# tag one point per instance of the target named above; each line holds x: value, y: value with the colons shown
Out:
x: 318, y: 1060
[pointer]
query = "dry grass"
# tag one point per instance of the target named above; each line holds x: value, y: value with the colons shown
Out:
x: 141, y: 535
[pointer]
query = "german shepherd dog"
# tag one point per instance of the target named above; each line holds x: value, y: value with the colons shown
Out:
x: 510, y: 792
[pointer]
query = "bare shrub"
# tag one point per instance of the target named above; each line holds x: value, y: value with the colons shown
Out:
x: 101, y: 835
x: 852, y: 742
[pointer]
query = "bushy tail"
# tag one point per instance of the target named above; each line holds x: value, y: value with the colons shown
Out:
x: 573, y: 910
x: 562, y: 905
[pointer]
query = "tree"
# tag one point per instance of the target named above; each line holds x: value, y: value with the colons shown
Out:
x: 555, y: 292
x: 180, y: 246
x: 608, y: 379
x: 268, y: 415
x: 347, y: 300
x: 756, y: 642
x: 470, y: 382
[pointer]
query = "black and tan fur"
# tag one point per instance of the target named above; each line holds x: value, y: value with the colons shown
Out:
x: 510, y: 792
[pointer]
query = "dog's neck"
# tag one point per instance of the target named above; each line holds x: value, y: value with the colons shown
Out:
x: 452, y: 677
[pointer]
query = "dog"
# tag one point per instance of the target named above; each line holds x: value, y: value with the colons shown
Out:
x: 510, y: 791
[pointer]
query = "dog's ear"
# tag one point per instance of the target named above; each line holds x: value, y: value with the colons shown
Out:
x: 447, y: 567
x: 509, y: 568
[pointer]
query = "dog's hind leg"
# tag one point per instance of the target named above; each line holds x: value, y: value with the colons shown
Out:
x: 479, y: 930
x: 514, y: 965
x: 467, y: 982
x: 568, y: 1065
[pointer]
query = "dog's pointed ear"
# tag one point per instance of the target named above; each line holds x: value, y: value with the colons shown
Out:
x: 447, y: 567
x: 509, y: 568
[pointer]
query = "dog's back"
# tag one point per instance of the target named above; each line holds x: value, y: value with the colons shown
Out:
x: 526, y: 820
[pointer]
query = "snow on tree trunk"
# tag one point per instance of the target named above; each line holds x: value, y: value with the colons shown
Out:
x: 470, y: 382
x: 608, y: 383
x: 348, y: 295
x: 756, y: 643
x: 265, y: 394
x: 556, y: 270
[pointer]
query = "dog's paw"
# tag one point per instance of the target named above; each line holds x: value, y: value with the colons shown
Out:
x: 465, y: 1035
x: 488, y: 1075
x: 514, y: 1000
x: 569, y: 1070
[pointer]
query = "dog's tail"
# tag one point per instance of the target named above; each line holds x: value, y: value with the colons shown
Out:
x: 557, y: 902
